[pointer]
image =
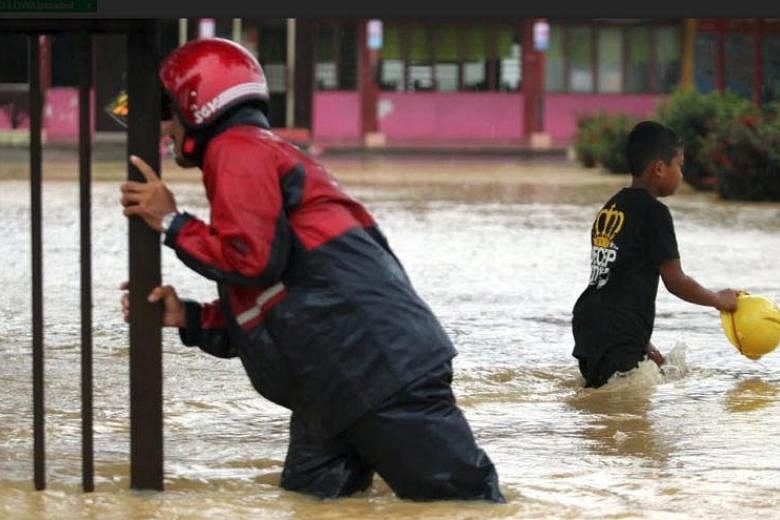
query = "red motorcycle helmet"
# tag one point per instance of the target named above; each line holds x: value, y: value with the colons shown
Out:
x: 204, y: 78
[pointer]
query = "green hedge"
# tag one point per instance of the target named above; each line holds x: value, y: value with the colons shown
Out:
x: 586, y: 140
x: 730, y: 145
x: 695, y: 117
x: 745, y: 157
x: 601, y: 140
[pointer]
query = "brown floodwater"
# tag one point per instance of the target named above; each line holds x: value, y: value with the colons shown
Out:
x: 500, y: 250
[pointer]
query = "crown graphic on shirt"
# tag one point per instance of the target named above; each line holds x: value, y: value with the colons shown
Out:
x: 607, y: 225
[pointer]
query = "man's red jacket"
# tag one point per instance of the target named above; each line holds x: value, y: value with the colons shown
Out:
x: 311, y: 297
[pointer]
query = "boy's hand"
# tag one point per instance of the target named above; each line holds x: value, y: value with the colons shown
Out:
x: 150, y: 200
x: 726, y: 300
x: 654, y: 354
x: 174, y: 314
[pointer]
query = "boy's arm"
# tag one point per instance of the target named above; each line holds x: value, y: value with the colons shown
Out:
x: 685, y: 287
x: 655, y: 354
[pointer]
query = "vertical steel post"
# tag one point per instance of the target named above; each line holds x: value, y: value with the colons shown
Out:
x: 85, y: 174
x: 289, y: 118
x: 302, y: 87
x: 688, y: 49
x: 532, y: 86
x: 36, y: 125
x: 368, y: 90
x: 143, y: 140
x: 236, y: 33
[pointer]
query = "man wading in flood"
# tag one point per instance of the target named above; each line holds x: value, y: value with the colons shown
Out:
x: 311, y: 297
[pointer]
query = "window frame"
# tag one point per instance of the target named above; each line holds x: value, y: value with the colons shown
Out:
x: 461, y: 26
x: 653, y: 83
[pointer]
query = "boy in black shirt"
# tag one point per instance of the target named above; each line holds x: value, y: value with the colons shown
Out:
x: 633, y: 243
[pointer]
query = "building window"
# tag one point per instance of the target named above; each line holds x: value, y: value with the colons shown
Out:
x: 508, y: 49
x: 420, y: 59
x: 610, y: 58
x: 475, y: 63
x: 581, y: 59
x: 14, y: 88
x: 326, y: 58
x: 738, y: 64
x: 554, y: 62
x: 391, y: 65
x: 628, y: 58
x: 13, y: 59
x: 447, y: 49
x: 335, y: 56
x: 223, y: 28
x: 704, y: 58
x: 273, y: 55
x: 770, y: 88
x: 346, y: 33
x: 450, y: 56
x: 63, y: 48
x: 638, y: 64
x: 668, y: 55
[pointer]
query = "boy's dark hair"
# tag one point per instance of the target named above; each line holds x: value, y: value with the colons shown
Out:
x: 649, y: 141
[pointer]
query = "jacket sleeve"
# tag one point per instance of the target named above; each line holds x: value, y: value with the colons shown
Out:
x: 248, y: 239
x: 206, y: 329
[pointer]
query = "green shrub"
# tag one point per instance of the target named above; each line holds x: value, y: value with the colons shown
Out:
x: 695, y: 117
x: 771, y: 111
x: 585, y: 140
x: 612, y: 155
x: 601, y: 139
x: 729, y: 143
x: 745, y: 156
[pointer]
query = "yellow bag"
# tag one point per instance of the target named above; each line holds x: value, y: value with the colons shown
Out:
x: 754, y: 328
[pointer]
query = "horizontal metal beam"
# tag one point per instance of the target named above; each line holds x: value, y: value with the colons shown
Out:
x: 50, y: 26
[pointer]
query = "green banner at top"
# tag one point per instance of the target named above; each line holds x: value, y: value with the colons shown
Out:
x: 48, y: 6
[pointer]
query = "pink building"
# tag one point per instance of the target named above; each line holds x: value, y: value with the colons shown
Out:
x: 462, y: 82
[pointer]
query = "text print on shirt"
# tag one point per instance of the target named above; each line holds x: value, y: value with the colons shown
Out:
x: 606, y: 226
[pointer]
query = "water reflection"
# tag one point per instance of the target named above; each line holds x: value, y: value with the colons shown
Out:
x: 750, y: 395
x: 618, y: 422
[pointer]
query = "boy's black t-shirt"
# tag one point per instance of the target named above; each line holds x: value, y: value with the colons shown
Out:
x: 631, y: 236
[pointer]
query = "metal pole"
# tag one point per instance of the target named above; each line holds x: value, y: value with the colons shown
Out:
x: 143, y: 140
x: 305, y: 31
x: 290, y: 87
x: 688, y: 48
x: 237, y: 30
x: 85, y: 173
x: 182, y: 31
x: 36, y: 125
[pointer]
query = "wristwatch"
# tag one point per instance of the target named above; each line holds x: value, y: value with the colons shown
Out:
x: 167, y: 220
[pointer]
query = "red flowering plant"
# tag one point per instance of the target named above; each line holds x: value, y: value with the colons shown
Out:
x: 696, y: 117
x: 744, y: 154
